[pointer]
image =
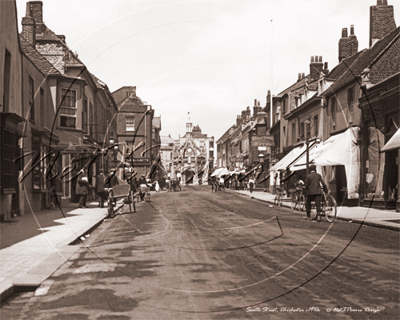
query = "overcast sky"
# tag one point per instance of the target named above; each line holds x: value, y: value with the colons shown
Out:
x: 211, y: 58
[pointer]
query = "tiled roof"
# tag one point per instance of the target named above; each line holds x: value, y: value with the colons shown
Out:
x: 337, y: 71
x: 166, y: 140
x: 37, y: 59
x: 47, y: 35
x: 294, y: 86
x: 362, y: 61
x: 226, y: 135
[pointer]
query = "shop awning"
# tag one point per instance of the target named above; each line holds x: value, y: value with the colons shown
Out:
x: 220, y: 172
x: 290, y: 158
x: 337, y: 150
x: 393, y: 143
x: 340, y: 149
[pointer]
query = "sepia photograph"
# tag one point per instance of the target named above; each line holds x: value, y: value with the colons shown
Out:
x: 199, y: 159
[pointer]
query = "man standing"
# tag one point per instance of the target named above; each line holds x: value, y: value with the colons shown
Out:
x: 251, y: 184
x: 100, y: 183
x: 82, y: 188
x: 313, y: 190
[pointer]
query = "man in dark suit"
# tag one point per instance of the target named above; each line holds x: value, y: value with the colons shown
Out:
x: 313, y: 185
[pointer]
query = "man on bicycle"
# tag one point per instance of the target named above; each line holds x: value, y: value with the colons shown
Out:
x: 313, y: 191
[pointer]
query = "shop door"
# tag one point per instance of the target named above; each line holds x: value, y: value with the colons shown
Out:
x: 341, y: 185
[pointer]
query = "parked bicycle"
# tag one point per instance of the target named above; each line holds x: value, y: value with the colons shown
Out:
x: 298, y: 199
x: 328, y: 208
x: 279, y: 196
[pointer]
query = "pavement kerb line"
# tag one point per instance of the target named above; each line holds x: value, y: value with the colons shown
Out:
x: 367, y: 223
x: 11, y: 286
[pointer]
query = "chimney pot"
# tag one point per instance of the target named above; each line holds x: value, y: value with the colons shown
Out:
x: 326, y: 65
x: 312, y: 59
x: 303, y: 75
x: 344, y: 33
x: 379, y: 3
x: 352, y: 30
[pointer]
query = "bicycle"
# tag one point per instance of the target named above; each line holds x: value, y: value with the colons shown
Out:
x: 328, y: 208
x: 298, y: 199
x: 279, y: 196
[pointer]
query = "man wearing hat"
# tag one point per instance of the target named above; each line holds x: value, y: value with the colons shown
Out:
x: 313, y: 190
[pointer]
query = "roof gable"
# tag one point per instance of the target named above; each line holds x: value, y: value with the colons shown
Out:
x: 37, y: 59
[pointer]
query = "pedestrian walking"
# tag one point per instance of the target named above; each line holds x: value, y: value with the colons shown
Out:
x: 82, y: 188
x: 143, y: 186
x: 100, y: 185
x: 251, y: 184
x: 313, y: 185
x: 157, y: 187
x: 214, y: 184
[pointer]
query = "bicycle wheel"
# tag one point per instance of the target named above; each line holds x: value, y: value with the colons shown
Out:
x: 330, y: 208
x: 294, y: 203
x: 302, y: 203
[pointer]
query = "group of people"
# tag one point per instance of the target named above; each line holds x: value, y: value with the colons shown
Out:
x: 103, y: 182
x: 232, y: 182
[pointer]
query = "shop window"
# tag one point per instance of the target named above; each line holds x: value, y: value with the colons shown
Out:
x: 39, y: 171
x: 308, y: 130
x: 85, y: 115
x: 7, y: 78
x: 9, y: 168
x: 293, y: 133
x: 333, y: 112
x: 302, y: 131
x: 42, y: 107
x: 350, y: 102
x: 316, y: 124
x: 130, y: 124
x: 31, y: 99
x: 68, y: 108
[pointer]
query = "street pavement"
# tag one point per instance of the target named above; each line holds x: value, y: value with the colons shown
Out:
x: 388, y: 219
x: 42, y: 245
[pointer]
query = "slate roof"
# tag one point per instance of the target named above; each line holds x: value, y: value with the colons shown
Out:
x: 37, y: 59
x: 363, y: 60
x: 294, y: 86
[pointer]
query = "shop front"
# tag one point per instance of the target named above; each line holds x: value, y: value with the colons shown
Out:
x: 379, y: 186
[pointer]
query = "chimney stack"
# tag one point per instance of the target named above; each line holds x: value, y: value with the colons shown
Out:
x: 348, y: 46
x: 315, y: 67
x: 238, y: 120
x: 29, y: 27
x: 381, y: 21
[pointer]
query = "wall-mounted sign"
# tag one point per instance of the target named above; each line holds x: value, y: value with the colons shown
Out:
x: 258, y: 141
x: 139, y: 160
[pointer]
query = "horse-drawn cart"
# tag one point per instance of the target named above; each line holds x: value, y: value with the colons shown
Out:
x: 118, y: 196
